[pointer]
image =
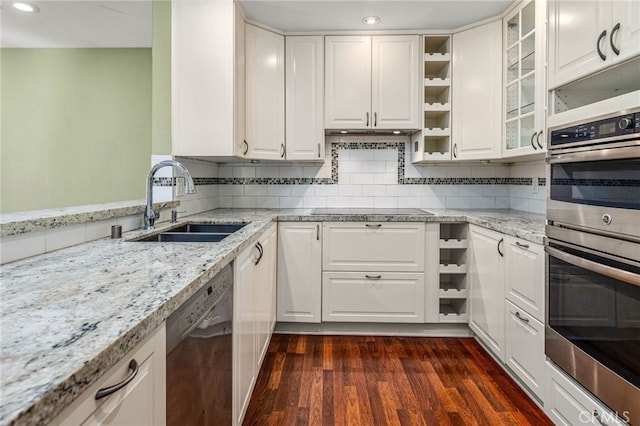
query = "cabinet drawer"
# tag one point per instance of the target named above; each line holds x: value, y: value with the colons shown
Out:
x: 373, y: 297
x: 524, y: 348
x: 525, y: 275
x: 369, y: 246
x: 568, y: 404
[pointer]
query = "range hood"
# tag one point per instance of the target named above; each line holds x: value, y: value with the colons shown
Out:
x: 371, y: 132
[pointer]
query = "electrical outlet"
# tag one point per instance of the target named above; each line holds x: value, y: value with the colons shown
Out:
x: 179, y: 189
x: 536, y: 185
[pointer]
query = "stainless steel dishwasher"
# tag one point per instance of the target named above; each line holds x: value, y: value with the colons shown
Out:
x: 199, y: 356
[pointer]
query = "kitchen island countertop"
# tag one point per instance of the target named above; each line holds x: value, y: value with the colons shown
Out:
x: 67, y: 316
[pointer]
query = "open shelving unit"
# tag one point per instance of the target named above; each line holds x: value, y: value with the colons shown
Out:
x: 453, y: 290
x: 433, y: 142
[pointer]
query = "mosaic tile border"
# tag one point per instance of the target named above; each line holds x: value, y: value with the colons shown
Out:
x: 333, y: 180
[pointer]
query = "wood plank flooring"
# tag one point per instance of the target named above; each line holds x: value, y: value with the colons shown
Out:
x: 357, y: 380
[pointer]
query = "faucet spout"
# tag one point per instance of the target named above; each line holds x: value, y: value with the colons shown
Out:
x: 149, y: 215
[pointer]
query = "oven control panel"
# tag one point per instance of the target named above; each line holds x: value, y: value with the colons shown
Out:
x: 596, y: 131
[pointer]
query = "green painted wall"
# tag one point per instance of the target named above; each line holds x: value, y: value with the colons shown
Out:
x: 76, y: 126
x: 161, y: 129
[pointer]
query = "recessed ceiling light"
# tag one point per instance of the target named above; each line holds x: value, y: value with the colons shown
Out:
x: 25, y: 7
x: 370, y: 20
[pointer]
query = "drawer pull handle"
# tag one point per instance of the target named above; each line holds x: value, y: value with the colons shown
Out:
x: 260, y: 252
x: 133, y: 366
x: 521, y: 318
x: 378, y: 225
x: 602, y: 35
x: 499, y: 251
x: 317, y: 232
x: 522, y: 245
x: 373, y: 277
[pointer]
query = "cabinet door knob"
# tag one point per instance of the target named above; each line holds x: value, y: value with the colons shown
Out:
x: 133, y: 367
x: 614, y: 30
x: 602, y: 35
x: 521, y: 318
x: 538, y: 139
x: 532, y: 137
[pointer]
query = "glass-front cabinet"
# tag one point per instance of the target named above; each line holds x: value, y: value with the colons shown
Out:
x: 524, y: 79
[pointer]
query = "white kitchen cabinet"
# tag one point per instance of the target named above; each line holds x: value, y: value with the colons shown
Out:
x: 379, y: 246
x: 584, y: 37
x: 265, y: 128
x: 524, y: 79
x: 373, y: 297
x: 299, y: 294
x: 477, y: 88
x: 372, y: 82
x: 252, y: 306
x: 207, y: 65
x: 524, y: 280
x: 486, y: 295
x: 568, y: 404
x: 304, y: 74
x: 141, y: 402
x: 524, y: 348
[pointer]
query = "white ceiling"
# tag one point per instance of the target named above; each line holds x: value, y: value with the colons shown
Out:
x: 92, y: 23
x: 330, y: 15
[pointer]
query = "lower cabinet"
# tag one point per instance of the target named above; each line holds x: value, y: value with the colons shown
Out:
x: 373, y: 297
x: 141, y: 402
x: 253, y: 317
x: 524, y: 348
x: 299, y: 277
x: 567, y: 404
x: 486, y: 295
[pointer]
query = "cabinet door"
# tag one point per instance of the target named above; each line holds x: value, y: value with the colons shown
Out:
x: 486, y: 295
x: 477, y: 93
x: 264, y: 295
x: 524, y: 279
x: 373, y: 297
x: 299, y: 272
x: 395, y: 70
x: 264, y: 94
x: 244, y: 331
x: 627, y: 38
x: 203, y: 65
x: 361, y: 246
x: 304, y: 106
x: 524, y: 352
x: 141, y: 402
x: 348, y: 82
x: 574, y: 30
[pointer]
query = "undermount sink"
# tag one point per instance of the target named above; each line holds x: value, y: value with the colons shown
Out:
x: 195, y: 233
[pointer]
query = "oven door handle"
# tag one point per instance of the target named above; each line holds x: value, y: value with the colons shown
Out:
x: 609, y: 271
x: 596, y: 155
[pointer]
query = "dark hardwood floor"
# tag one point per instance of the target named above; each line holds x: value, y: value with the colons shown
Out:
x: 357, y: 380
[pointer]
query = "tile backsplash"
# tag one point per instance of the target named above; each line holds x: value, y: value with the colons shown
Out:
x: 372, y: 172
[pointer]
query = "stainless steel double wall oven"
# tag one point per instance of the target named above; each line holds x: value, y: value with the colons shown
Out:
x: 593, y: 257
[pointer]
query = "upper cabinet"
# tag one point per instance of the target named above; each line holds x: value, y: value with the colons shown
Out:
x: 587, y: 36
x: 304, y: 71
x: 264, y: 52
x: 477, y: 88
x: 207, y: 81
x: 524, y: 79
x: 372, y: 82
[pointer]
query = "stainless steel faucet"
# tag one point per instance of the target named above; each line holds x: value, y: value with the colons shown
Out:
x: 149, y: 215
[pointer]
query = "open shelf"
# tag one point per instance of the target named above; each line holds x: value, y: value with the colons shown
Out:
x: 453, y: 290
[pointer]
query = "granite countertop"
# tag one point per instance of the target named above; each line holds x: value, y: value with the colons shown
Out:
x: 68, y: 316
